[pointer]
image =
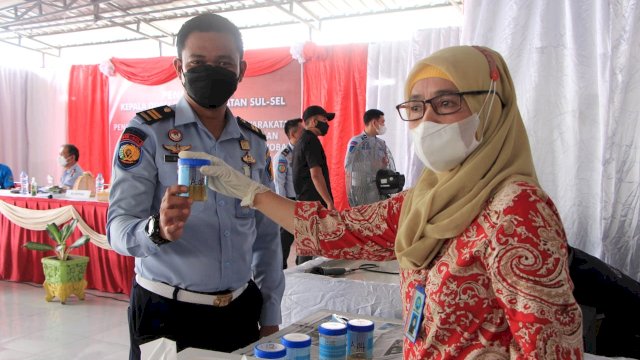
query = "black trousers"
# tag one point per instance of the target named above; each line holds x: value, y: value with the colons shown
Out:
x: 286, y: 238
x: 226, y: 329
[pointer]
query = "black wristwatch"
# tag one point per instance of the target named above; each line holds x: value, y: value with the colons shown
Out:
x: 153, y: 230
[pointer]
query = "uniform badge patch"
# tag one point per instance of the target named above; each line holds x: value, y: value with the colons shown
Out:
x: 175, y: 135
x: 175, y: 149
x: 282, y: 168
x: 352, y: 145
x: 130, y: 148
x: 248, y: 159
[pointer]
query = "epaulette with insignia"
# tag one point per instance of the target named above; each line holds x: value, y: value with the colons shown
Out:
x: 151, y: 116
x: 286, y: 151
x: 249, y: 126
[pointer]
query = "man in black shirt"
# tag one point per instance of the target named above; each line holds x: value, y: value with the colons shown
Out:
x: 310, y: 171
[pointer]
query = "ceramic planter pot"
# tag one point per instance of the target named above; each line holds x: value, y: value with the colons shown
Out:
x: 64, y: 278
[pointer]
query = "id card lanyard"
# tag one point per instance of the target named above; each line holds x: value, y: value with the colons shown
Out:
x: 413, y: 322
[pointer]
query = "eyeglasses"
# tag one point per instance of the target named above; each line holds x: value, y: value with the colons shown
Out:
x: 446, y: 104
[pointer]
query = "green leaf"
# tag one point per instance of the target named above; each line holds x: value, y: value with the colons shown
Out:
x: 81, y: 241
x: 38, y: 246
x: 68, y: 229
x: 54, y: 232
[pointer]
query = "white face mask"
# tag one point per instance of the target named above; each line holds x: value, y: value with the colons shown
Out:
x: 62, y: 161
x: 441, y: 147
x: 382, y: 130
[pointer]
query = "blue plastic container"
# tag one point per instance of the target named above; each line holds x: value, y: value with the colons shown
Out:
x: 270, y: 350
x: 332, y: 341
x: 298, y: 346
x: 360, y: 339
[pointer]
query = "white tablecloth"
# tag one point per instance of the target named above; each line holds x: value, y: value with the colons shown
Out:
x: 359, y: 292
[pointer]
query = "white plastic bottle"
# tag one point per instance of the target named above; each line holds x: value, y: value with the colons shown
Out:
x: 24, y: 183
x: 99, y: 183
x: 34, y: 187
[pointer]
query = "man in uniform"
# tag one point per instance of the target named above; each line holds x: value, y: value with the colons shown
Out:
x: 310, y: 170
x: 367, y: 141
x: 373, y: 126
x: 68, y: 159
x: 284, y: 178
x: 208, y: 273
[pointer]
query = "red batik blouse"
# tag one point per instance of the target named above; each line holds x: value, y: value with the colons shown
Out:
x: 499, y: 290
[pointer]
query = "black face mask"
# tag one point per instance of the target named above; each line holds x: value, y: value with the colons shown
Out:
x: 323, y: 127
x: 210, y: 86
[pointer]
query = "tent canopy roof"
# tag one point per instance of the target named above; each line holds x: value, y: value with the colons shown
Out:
x: 48, y: 26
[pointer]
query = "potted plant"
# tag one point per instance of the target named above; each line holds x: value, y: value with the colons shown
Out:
x: 64, y: 274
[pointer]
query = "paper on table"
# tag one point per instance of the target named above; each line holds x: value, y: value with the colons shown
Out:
x: 159, y: 349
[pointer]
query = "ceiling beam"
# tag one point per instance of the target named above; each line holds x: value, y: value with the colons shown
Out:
x: 291, y: 13
x: 43, y: 51
x: 105, y: 14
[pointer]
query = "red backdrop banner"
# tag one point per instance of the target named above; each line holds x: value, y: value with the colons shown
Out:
x: 268, y: 96
x: 88, y: 118
x: 335, y: 78
x: 159, y: 70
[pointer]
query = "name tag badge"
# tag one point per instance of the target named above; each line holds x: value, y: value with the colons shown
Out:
x: 413, y: 322
x: 171, y: 158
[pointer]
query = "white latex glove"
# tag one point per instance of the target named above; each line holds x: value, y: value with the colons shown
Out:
x: 226, y: 180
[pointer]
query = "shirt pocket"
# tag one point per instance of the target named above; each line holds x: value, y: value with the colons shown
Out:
x: 245, y: 211
x: 168, y: 173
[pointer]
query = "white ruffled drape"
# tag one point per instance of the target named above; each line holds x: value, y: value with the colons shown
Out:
x: 575, y: 68
x: 38, y: 219
x: 33, y: 120
x: 388, y: 66
x: 577, y: 77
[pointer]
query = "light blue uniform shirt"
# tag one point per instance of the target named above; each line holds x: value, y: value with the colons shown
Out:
x: 223, y: 244
x: 70, y: 175
x: 284, y: 172
x: 353, y: 143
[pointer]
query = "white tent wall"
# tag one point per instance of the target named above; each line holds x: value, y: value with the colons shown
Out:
x: 388, y: 65
x: 578, y: 85
x: 33, y: 119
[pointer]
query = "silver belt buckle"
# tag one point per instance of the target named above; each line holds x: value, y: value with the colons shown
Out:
x: 223, y: 300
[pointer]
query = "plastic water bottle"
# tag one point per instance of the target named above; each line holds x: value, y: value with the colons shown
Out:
x: 34, y: 187
x: 24, y: 183
x: 49, y: 181
x: 99, y: 183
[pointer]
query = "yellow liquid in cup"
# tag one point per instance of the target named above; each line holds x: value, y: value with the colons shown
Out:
x: 198, y: 192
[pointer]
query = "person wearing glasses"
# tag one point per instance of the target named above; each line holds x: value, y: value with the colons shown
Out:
x: 481, y: 247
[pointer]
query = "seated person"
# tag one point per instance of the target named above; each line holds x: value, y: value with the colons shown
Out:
x: 68, y: 159
x: 6, y: 177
